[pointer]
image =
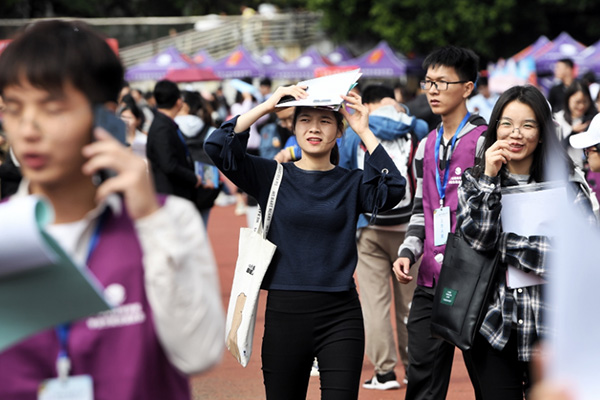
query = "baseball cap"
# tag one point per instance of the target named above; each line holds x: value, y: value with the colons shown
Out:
x: 588, y: 138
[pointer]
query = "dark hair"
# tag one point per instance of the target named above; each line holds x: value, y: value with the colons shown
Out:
x: 128, y: 103
x: 166, y: 94
x: 464, y: 61
x: 549, y: 146
x: 576, y: 87
x: 50, y: 54
x: 339, y: 119
x: 567, y: 61
x: 375, y: 93
x: 193, y: 100
x: 266, y: 82
x: 589, y: 77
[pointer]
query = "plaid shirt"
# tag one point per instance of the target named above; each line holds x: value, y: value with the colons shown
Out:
x: 478, y: 217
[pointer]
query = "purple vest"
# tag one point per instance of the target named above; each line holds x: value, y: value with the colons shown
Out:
x: 118, y: 348
x: 463, y: 157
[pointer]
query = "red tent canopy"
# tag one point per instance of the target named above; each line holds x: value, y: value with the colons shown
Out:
x: 191, y: 74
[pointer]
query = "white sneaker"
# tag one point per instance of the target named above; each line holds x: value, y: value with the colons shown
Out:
x: 385, y: 381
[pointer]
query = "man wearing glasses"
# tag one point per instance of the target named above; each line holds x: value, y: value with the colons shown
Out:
x: 441, y: 158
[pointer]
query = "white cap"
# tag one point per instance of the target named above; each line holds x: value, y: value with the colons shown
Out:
x: 588, y: 138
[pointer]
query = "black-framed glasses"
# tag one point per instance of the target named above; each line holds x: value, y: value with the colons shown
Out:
x: 506, y: 126
x: 593, y: 149
x: 439, y: 85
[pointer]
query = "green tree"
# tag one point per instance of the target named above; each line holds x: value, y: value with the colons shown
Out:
x: 493, y: 28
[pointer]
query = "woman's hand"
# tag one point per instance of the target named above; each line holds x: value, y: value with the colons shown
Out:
x: 247, y: 119
x: 296, y: 91
x: 359, y: 120
x: 132, y: 178
x: 495, y: 156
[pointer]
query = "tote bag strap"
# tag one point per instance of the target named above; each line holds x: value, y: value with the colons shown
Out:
x: 258, y: 226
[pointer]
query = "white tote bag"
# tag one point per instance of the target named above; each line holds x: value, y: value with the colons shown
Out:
x: 254, y: 256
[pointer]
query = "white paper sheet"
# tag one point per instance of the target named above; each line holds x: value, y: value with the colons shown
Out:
x: 22, y: 246
x: 530, y: 210
x: 325, y: 91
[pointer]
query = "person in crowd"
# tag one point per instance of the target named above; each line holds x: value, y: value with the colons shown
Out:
x: 589, y: 79
x: 146, y: 109
x: 10, y: 175
x: 589, y: 141
x: 575, y: 117
x: 275, y: 134
x: 312, y: 304
x: 244, y: 102
x: 378, y: 242
x: 515, y: 152
x: 483, y: 102
x: 170, y: 160
x: 265, y: 88
x: 134, y: 120
x: 564, y: 74
x: 195, y: 131
x: 420, y: 108
x: 440, y: 160
x: 168, y: 320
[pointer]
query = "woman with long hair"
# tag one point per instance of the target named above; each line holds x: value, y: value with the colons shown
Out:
x: 575, y: 117
x: 520, y: 143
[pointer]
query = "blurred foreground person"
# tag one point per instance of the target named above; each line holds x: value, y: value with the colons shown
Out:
x: 150, y: 253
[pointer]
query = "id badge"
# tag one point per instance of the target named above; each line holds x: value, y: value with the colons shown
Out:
x: 78, y: 387
x: 441, y: 225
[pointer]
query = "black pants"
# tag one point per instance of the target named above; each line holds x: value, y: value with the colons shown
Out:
x: 429, y: 359
x: 497, y: 375
x: 302, y: 325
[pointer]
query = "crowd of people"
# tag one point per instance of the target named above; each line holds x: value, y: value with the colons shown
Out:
x: 372, y: 190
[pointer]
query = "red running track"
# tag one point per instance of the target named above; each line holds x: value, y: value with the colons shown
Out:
x: 229, y: 380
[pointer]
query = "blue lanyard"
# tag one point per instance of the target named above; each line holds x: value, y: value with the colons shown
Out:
x: 63, y: 330
x: 441, y: 186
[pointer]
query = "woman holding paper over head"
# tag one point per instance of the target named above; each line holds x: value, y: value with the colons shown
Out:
x: 521, y: 140
x: 312, y: 305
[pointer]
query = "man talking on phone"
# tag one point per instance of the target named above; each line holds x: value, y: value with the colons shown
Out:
x: 169, y: 157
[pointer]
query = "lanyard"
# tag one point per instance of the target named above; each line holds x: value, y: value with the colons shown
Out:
x: 63, y: 363
x: 441, y: 186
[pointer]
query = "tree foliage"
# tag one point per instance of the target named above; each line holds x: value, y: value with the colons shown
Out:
x: 493, y: 28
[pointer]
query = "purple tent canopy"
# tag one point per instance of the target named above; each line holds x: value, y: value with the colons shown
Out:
x: 239, y: 64
x: 537, y: 46
x: 380, y: 62
x: 203, y: 59
x: 157, y: 66
x: 301, y: 68
x: 339, y: 55
x: 564, y: 46
x: 590, y: 58
x: 271, y: 61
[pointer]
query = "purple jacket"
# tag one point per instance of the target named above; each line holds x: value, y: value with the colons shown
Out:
x: 118, y: 348
x: 463, y: 157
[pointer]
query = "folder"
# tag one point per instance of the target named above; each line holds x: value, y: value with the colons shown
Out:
x: 324, y: 92
x: 40, y: 285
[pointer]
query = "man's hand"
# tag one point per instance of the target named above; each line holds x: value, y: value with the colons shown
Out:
x: 401, y: 269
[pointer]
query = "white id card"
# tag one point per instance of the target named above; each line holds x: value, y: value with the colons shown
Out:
x: 441, y: 225
x: 78, y: 387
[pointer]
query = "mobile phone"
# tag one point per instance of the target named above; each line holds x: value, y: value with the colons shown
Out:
x: 107, y: 120
x: 114, y: 125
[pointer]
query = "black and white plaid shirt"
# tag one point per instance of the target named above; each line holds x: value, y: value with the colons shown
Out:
x: 478, y: 218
